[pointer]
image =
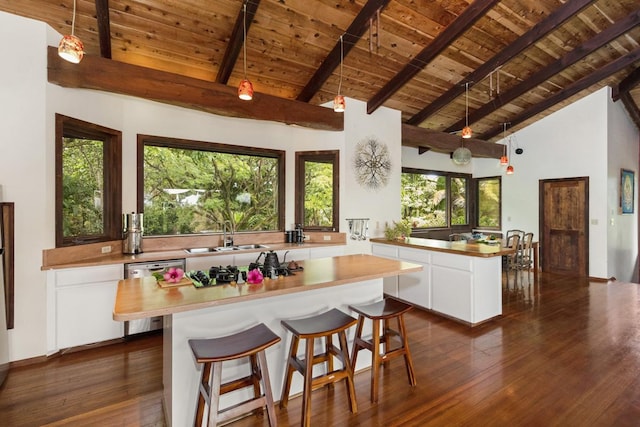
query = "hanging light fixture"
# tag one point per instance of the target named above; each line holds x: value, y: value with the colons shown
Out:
x: 504, y: 160
x: 461, y: 155
x: 466, y: 130
x: 245, y: 89
x: 71, y: 48
x: 339, y: 103
x: 509, y: 168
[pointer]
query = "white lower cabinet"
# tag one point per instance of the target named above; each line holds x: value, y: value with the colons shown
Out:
x: 415, y: 287
x: 84, y: 300
x: 389, y: 284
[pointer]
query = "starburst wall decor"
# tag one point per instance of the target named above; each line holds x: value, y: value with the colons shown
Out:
x: 372, y: 163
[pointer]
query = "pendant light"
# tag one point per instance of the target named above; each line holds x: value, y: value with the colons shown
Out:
x: 71, y: 48
x: 245, y: 89
x: 504, y: 160
x: 461, y: 155
x: 339, y: 103
x: 509, y: 168
x: 466, y: 130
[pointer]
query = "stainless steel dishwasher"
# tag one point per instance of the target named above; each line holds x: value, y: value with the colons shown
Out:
x: 145, y: 269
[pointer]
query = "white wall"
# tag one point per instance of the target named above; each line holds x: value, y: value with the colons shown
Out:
x: 622, y: 235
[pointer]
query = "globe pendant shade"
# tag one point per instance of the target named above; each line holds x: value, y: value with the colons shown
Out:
x: 461, y: 156
x: 504, y: 161
x: 339, y: 104
x: 245, y: 90
x: 509, y: 170
x: 71, y: 49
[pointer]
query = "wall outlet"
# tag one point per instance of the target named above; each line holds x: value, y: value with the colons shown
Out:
x: 106, y: 249
x: 325, y: 238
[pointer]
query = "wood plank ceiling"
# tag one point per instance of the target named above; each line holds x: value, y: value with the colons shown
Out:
x: 521, y: 59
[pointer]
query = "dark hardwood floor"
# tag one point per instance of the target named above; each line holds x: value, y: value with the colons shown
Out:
x: 566, y: 352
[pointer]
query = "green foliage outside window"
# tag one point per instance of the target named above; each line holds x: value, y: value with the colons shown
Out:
x: 82, y: 166
x: 459, y: 201
x: 189, y: 191
x: 318, y: 194
x: 489, y: 202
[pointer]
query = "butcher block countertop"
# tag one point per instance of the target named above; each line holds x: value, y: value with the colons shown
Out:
x: 142, y: 297
x: 461, y: 247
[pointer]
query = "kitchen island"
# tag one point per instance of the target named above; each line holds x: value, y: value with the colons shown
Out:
x: 459, y: 280
x: 224, y: 309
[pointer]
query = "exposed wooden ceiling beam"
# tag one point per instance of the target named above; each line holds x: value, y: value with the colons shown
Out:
x: 235, y: 41
x: 427, y: 139
x: 104, y: 28
x: 350, y: 38
x: 471, y: 14
x: 626, y: 85
x: 590, y: 46
x: 631, y: 107
x: 540, y: 30
x: 106, y: 75
x: 579, y: 85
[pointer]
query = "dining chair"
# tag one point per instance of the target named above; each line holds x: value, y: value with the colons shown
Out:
x: 513, y: 241
x: 455, y: 237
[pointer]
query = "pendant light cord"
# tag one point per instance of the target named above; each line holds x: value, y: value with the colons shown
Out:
x: 73, y: 20
x: 244, y: 39
x: 466, y: 109
x: 341, y: 61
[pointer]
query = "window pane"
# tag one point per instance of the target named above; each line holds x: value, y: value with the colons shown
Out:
x: 489, y: 202
x: 318, y: 194
x: 423, y: 200
x: 188, y: 191
x: 82, y: 187
x: 459, y: 201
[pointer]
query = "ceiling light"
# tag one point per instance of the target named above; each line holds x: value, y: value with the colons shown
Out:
x: 339, y: 103
x: 71, y: 48
x: 462, y: 155
x: 245, y: 89
x: 466, y: 130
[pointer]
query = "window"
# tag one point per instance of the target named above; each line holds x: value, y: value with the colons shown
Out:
x: 317, y: 190
x: 489, y: 202
x: 192, y: 187
x: 434, y: 199
x: 88, y: 182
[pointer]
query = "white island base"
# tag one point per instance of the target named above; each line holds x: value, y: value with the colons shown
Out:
x: 181, y: 374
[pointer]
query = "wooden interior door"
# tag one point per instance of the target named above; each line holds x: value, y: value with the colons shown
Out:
x: 564, y: 232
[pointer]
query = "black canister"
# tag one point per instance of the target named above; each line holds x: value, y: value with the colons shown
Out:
x: 289, y: 236
x: 299, y: 234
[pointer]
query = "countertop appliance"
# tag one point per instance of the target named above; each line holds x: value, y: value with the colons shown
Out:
x: 145, y: 269
x: 132, y: 238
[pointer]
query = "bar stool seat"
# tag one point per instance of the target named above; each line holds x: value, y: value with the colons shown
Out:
x: 323, y: 325
x: 384, y: 310
x: 212, y: 352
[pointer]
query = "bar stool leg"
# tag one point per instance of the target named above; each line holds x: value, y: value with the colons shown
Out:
x: 291, y: 360
x: 308, y: 382
x: 266, y: 384
x: 408, y: 361
x: 386, y: 335
x: 203, y: 390
x: 214, y: 404
x: 375, y: 360
x: 351, y: 389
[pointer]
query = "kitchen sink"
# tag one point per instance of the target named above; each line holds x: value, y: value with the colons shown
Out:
x: 224, y: 249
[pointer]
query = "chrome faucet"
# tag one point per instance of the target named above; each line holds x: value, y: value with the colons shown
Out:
x: 227, y: 241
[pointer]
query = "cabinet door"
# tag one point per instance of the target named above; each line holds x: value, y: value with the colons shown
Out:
x: 85, y: 314
x: 452, y: 292
x: 389, y: 284
x: 416, y: 287
x: 326, y: 251
x: 204, y: 263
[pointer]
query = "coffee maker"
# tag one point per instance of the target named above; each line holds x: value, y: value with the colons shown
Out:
x: 132, y: 227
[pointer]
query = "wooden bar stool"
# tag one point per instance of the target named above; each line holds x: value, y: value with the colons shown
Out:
x: 324, y: 325
x: 212, y: 352
x: 384, y: 310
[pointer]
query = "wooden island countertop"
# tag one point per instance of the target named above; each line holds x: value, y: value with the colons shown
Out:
x: 142, y: 297
x: 461, y: 247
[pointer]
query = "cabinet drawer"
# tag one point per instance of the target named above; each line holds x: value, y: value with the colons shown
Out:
x: 79, y: 276
x: 457, y: 262
x: 386, y: 251
x: 418, y: 255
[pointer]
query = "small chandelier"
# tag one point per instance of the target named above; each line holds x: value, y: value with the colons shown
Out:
x: 71, y: 48
x: 466, y: 130
x: 245, y: 89
x: 339, y: 103
x: 504, y: 160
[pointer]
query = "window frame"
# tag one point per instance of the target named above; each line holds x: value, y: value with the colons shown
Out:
x: 469, y: 197
x: 68, y: 127
x: 326, y: 156
x: 477, y: 202
x: 168, y: 142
